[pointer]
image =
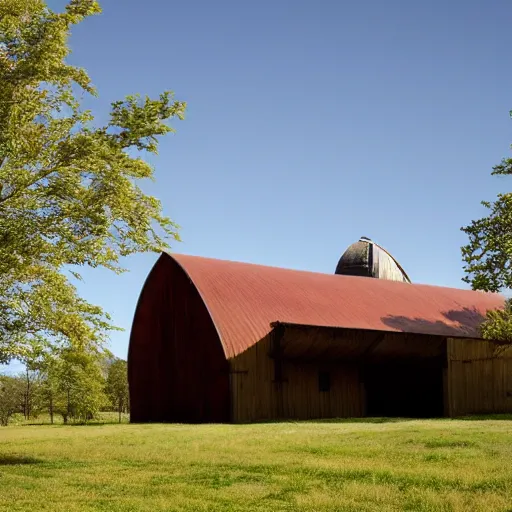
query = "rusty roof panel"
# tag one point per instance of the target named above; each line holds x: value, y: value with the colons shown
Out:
x: 244, y: 299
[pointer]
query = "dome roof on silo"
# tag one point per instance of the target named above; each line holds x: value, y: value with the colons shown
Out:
x: 368, y: 259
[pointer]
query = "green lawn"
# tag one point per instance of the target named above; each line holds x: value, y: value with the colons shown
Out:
x: 462, y: 465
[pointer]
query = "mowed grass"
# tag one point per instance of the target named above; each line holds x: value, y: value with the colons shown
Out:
x: 455, y: 465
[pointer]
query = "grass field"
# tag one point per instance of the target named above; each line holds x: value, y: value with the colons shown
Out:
x: 456, y: 465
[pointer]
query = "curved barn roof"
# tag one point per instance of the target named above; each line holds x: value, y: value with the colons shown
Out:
x: 245, y: 299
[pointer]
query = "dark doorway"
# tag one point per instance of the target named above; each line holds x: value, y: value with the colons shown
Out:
x: 404, y: 389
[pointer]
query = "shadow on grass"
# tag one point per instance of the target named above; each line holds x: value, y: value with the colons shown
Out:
x: 17, y: 460
x: 335, y: 420
x: 94, y: 424
x: 362, y: 420
x: 79, y: 424
x: 486, y: 417
x: 483, y: 417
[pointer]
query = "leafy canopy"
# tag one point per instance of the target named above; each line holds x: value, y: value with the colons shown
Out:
x: 70, y: 191
x: 77, y: 382
x: 488, y: 256
x: 11, y: 397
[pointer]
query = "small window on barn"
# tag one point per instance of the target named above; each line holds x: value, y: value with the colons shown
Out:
x: 324, y: 382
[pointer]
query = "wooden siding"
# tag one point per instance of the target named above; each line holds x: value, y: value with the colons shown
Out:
x: 176, y: 366
x: 257, y: 395
x: 479, y: 377
x: 280, y: 380
x: 475, y: 376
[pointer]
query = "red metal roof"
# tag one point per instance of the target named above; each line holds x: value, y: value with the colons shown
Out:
x: 244, y: 299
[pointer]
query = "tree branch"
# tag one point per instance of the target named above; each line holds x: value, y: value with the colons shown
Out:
x: 18, y: 190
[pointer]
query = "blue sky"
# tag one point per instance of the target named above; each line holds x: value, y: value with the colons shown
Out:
x: 310, y: 124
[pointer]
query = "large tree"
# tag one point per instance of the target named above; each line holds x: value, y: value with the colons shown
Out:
x: 70, y: 191
x: 488, y: 257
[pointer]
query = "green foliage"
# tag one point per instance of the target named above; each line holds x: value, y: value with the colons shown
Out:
x: 52, y: 398
x: 488, y: 256
x: 75, y: 385
x: 498, y: 324
x: 69, y: 191
x: 117, y: 385
x: 69, y: 382
x: 11, y: 397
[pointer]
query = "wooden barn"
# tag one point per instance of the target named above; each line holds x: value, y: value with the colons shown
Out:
x: 221, y: 341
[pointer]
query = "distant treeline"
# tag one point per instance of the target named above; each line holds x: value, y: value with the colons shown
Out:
x: 70, y: 383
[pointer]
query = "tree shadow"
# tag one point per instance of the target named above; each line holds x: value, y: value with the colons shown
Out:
x: 18, y: 460
x: 464, y: 322
x: 75, y: 424
x: 93, y: 424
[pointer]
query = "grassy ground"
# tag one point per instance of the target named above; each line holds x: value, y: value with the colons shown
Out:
x: 455, y: 465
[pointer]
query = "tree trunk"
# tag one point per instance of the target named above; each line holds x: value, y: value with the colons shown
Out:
x: 120, y: 409
x: 69, y: 407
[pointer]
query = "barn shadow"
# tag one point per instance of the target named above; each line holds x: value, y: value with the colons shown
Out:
x: 461, y: 322
x: 330, y: 420
x: 18, y: 460
x: 486, y: 417
x: 361, y: 420
x: 482, y: 417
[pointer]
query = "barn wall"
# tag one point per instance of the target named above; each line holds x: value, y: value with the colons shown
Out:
x: 252, y: 393
x: 303, y: 400
x: 258, y: 396
x: 264, y: 388
x: 480, y: 377
x: 176, y: 366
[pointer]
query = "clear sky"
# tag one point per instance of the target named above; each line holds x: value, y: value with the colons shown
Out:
x: 311, y: 123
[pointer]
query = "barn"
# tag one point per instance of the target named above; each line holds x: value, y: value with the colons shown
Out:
x: 222, y: 341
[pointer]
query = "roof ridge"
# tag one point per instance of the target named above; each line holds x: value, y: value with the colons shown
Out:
x: 337, y: 276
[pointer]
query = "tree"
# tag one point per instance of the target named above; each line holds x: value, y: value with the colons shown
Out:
x: 11, y: 397
x: 117, y: 385
x: 32, y: 382
x: 49, y: 396
x: 65, y: 381
x: 33, y: 359
x: 75, y: 385
x: 70, y: 191
x: 488, y: 257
